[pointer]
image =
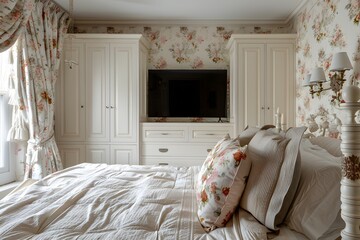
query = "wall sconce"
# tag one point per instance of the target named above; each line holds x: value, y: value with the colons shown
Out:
x: 340, y: 63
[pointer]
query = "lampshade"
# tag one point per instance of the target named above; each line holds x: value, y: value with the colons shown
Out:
x: 317, y: 75
x: 306, y: 81
x: 340, y: 62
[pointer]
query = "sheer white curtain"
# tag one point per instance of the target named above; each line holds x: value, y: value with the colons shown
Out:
x: 7, y: 170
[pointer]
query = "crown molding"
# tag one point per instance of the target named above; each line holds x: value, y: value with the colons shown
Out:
x: 180, y: 22
x: 296, y: 11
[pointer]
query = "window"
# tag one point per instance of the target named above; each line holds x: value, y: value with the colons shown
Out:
x: 7, y: 168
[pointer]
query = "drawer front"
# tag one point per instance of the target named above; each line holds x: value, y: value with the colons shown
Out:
x: 177, y: 162
x: 207, y: 135
x: 176, y: 150
x: 164, y: 135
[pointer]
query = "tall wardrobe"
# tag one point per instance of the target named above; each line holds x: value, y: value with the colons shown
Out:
x: 262, y: 79
x: 98, y: 98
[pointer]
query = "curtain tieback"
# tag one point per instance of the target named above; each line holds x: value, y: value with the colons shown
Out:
x: 37, y: 145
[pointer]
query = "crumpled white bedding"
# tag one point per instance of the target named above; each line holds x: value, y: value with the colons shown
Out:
x: 99, y: 201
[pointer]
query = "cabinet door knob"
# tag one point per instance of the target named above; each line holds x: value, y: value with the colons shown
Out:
x: 208, y: 150
x: 107, y: 106
x: 268, y: 108
x: 82, y: 106
x: 262, y: 108
x: 112, y: 107
x: 163, y: 150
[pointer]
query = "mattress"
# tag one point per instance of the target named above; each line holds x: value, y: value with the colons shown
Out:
x: 99, y: 201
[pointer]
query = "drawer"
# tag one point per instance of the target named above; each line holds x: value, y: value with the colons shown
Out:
x: 208, y: 135
x: 177, y: 162
x: 176, y: 150
x: 164, y: 135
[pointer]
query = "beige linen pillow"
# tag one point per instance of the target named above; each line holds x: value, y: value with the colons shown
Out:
x: 249, y: 132
x: 221, y: 182
x: 332, y: 145
x: 274, y: 175
x: 316, y: 205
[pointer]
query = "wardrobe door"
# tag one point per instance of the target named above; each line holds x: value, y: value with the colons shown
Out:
x: 97, y: 92
x: 97, y: 153
x: 279, y: 84
x: 70, y: 97
x: 250, y: 97
x: 124, y: 74
x: 123, y: 154
x: 72, y: 155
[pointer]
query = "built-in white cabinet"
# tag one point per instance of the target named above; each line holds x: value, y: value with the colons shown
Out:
x: 180, y: 144
x: 98, y: 97
x: 72, y: 154
x: 262, y: 78
x: 101, y: 100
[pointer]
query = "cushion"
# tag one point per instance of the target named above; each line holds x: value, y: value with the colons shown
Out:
x: 332, y: 145
x: 316, y: 205
x: 249, y: 132
x: 221, y: 182
x: 274, y: 175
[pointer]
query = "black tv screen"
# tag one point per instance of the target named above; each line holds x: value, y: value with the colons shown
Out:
x: 187, y: 93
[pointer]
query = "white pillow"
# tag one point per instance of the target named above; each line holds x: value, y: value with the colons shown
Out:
x: 274, y: 175
x: 332, y: 145
x: 317, y: 201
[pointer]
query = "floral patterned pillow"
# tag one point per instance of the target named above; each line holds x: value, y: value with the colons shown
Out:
x: 221, y: 182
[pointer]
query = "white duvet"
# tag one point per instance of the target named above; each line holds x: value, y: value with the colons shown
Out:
x: 98, y: 201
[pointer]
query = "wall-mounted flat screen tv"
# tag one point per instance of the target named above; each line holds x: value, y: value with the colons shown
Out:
x: 187, y: 93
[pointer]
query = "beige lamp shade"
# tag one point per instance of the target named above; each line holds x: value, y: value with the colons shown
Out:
x: 306, y: 81
x: 340, y: 62
x: 317, y: 75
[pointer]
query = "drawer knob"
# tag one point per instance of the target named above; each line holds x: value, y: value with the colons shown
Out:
x: 210, y: 134
x: 163, y: 164
x: 163, y: 150
x: 208, y: 150
x: 164, y: 134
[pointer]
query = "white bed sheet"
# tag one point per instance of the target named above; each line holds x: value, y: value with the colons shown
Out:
x: 99, y: 201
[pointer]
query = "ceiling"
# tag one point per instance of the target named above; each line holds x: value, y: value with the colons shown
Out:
x: 251, y: 11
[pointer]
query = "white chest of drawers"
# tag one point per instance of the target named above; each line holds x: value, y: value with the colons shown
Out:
x: 180, y: 144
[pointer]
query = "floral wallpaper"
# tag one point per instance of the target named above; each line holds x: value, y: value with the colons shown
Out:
x: 185, y: 47
x: 325, y: 27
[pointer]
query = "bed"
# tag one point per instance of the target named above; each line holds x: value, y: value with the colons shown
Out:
x: 99, y: 201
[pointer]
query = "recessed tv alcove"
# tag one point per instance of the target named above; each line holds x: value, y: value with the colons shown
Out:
x: 187, y: 94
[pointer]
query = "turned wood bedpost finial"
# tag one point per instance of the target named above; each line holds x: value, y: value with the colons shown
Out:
x: 350, y: 183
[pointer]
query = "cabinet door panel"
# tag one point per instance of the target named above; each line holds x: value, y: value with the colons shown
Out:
x: 72, y: 155
x: 280, y: 82
x: 123, y: 92
x: 97, y: 154
x: 250, y: 90
x: 70, y: 97
x: 97, y: 99
x: 124, y: 154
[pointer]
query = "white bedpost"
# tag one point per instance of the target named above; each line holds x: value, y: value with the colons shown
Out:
x: 350, y: 146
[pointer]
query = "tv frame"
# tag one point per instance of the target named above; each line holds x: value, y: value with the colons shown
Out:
x: 191, y: 119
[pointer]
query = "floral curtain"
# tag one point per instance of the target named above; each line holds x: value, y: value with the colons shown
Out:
x: 14, y: 15
x: 38, y: 58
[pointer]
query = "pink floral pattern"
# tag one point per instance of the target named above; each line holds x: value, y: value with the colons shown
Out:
x: 186, y: 47
x: 38, y: 57
x: 221, y: 182
x: 14, y: 15
x: 335, y: 28
x: 354, y: 10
